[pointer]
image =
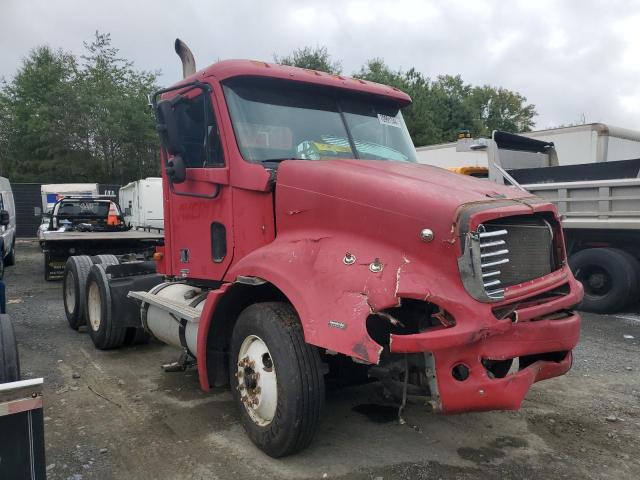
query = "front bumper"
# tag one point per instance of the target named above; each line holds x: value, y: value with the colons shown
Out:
x: 473, y: 340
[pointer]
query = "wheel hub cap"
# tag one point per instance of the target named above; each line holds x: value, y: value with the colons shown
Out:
x: 257, y: 382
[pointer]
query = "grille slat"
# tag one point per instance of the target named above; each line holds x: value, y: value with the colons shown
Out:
x: 523, y: 248
x: 494, y: 254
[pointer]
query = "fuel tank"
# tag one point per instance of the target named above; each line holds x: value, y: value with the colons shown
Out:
x: 164, y: 326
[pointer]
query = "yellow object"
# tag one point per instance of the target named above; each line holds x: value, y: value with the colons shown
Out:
x: 471, y: 171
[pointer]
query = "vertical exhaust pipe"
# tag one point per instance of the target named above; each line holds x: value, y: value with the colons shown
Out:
x: 188, y: 62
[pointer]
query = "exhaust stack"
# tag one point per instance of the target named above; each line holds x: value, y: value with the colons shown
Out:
x: 188, y: 62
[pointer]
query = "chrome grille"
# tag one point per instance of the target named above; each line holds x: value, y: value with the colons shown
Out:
x: 514, y: 250
x: 492, y: 256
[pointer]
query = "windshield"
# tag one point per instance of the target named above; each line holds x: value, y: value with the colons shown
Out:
x: 86, y: 208
x: 278, y: 120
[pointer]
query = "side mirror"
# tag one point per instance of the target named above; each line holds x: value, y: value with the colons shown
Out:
x: 5, y: 219
x: 176, y: 171
x: 167, y: 126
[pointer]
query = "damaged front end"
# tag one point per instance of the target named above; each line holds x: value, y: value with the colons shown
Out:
x: 438, y: 287
x: 485, y: 352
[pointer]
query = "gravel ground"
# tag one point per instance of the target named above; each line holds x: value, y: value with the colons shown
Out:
x: 116, y: 415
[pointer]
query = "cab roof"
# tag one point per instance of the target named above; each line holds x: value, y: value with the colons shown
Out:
x: 253, y: 68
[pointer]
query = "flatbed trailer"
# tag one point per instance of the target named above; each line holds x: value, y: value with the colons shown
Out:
x: 58, y: 246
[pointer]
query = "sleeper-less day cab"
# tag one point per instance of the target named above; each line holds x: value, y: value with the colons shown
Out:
x: 302, y: 238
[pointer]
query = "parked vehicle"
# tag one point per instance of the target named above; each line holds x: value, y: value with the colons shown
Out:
x: 53, y: 192
x: 591, y: 143
x: 303, y: 240
x: 142, y: 204
x: 21, y: 415
x: 7, y: 226
x: 580, y: 144
x: 599, y: 203
x: 89, y: 226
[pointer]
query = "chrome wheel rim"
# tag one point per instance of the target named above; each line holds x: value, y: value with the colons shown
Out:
x: 70, y: 292
x: 257, y: 380
x: 94, y: 306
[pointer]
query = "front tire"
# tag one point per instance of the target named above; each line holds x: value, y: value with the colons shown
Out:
x: 276, y: 379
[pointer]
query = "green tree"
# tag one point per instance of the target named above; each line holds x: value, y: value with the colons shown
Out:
x: 446, y: 105
x: 500, y: 109
x: 317, y: 58
x: 116, y: 126
x: 38, y: 110
x: 64, y: 119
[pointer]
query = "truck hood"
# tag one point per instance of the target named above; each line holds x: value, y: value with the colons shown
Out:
x: 408, y: 189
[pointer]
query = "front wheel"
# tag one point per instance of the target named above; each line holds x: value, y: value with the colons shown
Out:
x: 276, y: 379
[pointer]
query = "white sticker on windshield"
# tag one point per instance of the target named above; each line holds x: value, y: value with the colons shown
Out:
x: 391, y: 121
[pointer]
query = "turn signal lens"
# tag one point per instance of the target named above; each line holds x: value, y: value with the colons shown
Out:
x: 158, y: 256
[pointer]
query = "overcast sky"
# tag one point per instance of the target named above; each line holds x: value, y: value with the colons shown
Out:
x: 571, y: 58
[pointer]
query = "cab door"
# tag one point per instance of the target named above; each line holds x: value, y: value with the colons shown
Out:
x: 200, y: 239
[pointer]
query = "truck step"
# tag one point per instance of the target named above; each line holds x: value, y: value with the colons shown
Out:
x: 177, y: 309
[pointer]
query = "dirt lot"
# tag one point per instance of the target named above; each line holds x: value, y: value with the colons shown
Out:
x: 123, y: 418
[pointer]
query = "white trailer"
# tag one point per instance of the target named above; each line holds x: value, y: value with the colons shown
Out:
x: 141, y: 202
x: 53, y: 192
x: 591, y: 143
x: 581, y: 144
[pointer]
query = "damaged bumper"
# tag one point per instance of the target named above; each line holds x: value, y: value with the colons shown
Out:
x: 540, y: 336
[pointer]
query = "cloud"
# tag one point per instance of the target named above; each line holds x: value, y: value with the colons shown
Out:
x: 570, y: 58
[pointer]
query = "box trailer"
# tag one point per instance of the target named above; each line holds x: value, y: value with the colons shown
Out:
x: 591, y: 143
x: 52, y: 192
x: 141, y: 202
x: 581, y: 144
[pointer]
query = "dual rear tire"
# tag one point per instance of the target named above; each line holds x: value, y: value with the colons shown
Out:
x: 87, y: 301
x: 74, y: 284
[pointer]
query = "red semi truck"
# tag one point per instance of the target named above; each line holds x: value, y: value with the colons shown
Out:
x: 302, y: 239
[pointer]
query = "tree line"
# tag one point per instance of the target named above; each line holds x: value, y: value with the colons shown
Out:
x: 68, y: 118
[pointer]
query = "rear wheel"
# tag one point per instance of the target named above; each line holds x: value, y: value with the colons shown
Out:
x: 277, y: 379
x: 102, y: 327
x: 74, y: 286
x: 609, y: 277
x: 9, y: 361
x: 105, y: 259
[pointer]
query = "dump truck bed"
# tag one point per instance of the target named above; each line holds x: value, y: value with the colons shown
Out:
x: 589, y: 196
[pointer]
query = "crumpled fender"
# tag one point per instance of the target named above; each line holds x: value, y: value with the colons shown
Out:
x: 334, y: 299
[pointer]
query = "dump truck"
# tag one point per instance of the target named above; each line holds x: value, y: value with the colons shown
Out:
x: 304, y: 242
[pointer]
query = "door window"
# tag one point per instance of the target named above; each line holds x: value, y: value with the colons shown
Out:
x: 199, y: 131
